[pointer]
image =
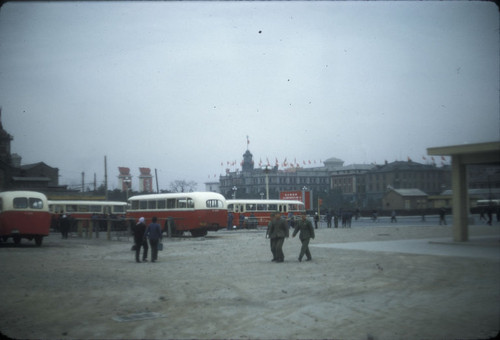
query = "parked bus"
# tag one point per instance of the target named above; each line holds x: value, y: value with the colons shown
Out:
x: 196, y: 212
x: 88, y: 214
x: 488, y: 203
x: 257, y: 212
x: 24, y: 214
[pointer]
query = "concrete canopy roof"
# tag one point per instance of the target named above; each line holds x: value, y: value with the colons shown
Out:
x: 461, y: 156
x: 481, y: 153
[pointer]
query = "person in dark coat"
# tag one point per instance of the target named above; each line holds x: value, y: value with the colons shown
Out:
x: 65, y: 224
x: 242, y: 221
x: 442, y: 216
x: 230, y: 221
x: 306, y: 233
x: 153, y: 233
x: 279, y: 230
x: 272, y: 240
x: 140, y: 240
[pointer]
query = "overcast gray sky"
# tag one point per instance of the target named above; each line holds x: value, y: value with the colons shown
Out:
x: 178, y: 86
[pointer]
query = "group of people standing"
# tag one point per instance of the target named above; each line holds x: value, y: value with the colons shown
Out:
x: 278, y: 230
x: 143, y: 234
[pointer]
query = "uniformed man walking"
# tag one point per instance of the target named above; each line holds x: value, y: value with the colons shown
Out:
x: 272, y: 240
x: 279, y: 230
x: 306, y: 233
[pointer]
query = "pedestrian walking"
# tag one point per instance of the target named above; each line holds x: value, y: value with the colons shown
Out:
x: 269, y: 234
x: 393, y: 217
x: 153, y: 233
x: 489, y: 212
x: 316, y: 220
x: 230, y: 217
x: 64, y: 223
x: 279, y: 230
x: 290, y: 220
x: 140, y: 241
x: 306, y: 230
x: 328, y: 219
x: 442, y: 216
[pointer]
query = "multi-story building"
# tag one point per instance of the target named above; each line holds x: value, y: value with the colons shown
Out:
x: 251, y: 182
x: 428, y: 178
x: 361, y: 185
x: 321, y: 181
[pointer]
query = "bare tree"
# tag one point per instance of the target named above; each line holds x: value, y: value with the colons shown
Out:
x: 183, y: 186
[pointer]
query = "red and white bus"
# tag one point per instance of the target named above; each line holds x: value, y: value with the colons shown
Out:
x: 24, y: 214
x: 85, y: 212
x: 196, y: 212
x: 257, y: 212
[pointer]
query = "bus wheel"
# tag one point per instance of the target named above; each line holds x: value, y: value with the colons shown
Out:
x: 198, y: 233
x: 38, y: 240
x: 16, y: 239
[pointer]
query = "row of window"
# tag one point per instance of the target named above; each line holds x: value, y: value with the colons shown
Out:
x: 25, y: 203
x: 264, y: 207
x: 74, y: 208
x: 173, y: 203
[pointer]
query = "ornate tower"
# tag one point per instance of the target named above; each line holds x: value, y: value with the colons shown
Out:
x: 247, y: 164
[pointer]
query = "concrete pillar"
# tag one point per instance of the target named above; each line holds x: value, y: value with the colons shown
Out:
x: 460, y: 199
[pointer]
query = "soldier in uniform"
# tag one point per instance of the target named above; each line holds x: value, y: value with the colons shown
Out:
x: 280, y: 230
x: 306, y: 233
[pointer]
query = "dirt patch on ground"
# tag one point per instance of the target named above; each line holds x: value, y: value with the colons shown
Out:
x: 225, y: 286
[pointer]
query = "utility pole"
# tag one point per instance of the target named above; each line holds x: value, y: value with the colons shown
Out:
x: 156, y: 177
x: 83, y: 181
x: 105, y: 178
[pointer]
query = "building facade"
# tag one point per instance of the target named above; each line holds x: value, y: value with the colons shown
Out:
x: 357, y: 185
x: 14, y: 176
x: 404, y: 199
x: 428, y: 178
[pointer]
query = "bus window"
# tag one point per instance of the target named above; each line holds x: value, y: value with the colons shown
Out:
x: 96, y: 208
x: 143, y: 205
x: 35, y: 203
x: 83, y: 208
x: 190, y: 203
x: 20, y: 203
x: 230, y: 207
x: 118, y: 209
x: 250, y: 207
x: 161, y: 204
x: 272, y: 207
x: 135, y: 205
x: 262, y: 207
x: 214, y: 204
x: 70, y: 208
x: 181, y: 203
x: 171, y: 203
x: 151, y: 204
